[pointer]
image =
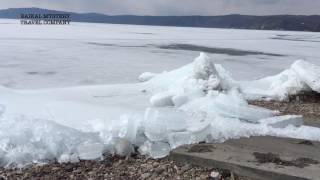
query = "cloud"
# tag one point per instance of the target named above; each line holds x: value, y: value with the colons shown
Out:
x: 175, y: 7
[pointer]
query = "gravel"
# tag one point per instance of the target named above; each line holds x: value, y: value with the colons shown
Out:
x: 114, y: 167
x: 306, y: 104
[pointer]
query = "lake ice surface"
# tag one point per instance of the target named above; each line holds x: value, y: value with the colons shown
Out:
x: 87, y: 53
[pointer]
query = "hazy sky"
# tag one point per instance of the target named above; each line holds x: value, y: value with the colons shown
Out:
x: 174, y: 7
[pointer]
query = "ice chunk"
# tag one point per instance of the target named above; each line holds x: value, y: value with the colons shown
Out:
x: 199, y: 125
x: 24, y: 140
x: 283, y: 121
x: 302, y: 76
x: 277, y: 87
x: 155, y: 128
x: 64, y: 158
x: 197, y: 121
x: 155, y: 149
x: 226, y: 80
x: 160, y: 121
x: 141, y: 138
x: 308, y: 73
x: 233, y: 105
x: 177, y: 139
x: 203, y: 68
x: 162, y: 99
x: 123, y: 147
x: 133, y: 126
x: 90, y: 151
x: 179, y: 100
x: 146, y: 76
x: 213, y: 82
x: 203, y: 134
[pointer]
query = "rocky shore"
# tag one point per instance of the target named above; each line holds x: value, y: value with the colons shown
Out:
x: 113, y: 167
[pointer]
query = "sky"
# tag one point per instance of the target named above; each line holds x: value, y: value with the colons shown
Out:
x: 174, y: 7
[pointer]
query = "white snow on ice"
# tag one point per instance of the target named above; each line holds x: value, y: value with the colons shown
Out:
x: 200, y: 101
x: 89, y: 54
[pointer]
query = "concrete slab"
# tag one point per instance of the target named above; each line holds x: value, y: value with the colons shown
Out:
x: 260, y: 158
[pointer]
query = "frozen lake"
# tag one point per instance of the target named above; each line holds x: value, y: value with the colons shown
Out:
x: 86, y: 53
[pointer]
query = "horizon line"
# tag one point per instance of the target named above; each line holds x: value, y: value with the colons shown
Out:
x: 157, y: 15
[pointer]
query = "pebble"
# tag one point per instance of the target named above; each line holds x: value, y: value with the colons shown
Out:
x: 215, y: 175
x: 149, y: 167
x: 118, y: 168
x: 55, y: 169
x: 203, y: 176
x: 156, y: 164
x: 145, y: 175
x: 159, y: 170
x: 185, y: 168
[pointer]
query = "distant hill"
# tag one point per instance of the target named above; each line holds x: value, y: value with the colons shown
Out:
x: 276, y: 22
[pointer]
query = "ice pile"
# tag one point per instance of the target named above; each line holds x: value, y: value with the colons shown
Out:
x: 301, y: 76
x: 204, y: 103
x: 24, y: 140
x: 199, y: 102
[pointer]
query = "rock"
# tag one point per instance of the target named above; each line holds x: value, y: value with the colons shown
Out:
x: 123, y: 147
x: 203, y: 176
x: 77, y: 171
x: 145, y: 175
x: 149, y: 167
x: 68, y: 168
x: 185, y: 168
x: 159, y: 170
x: 91, y: 173
x: 155, y: 164
x: 215, y: 175
x: 154, y: 176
